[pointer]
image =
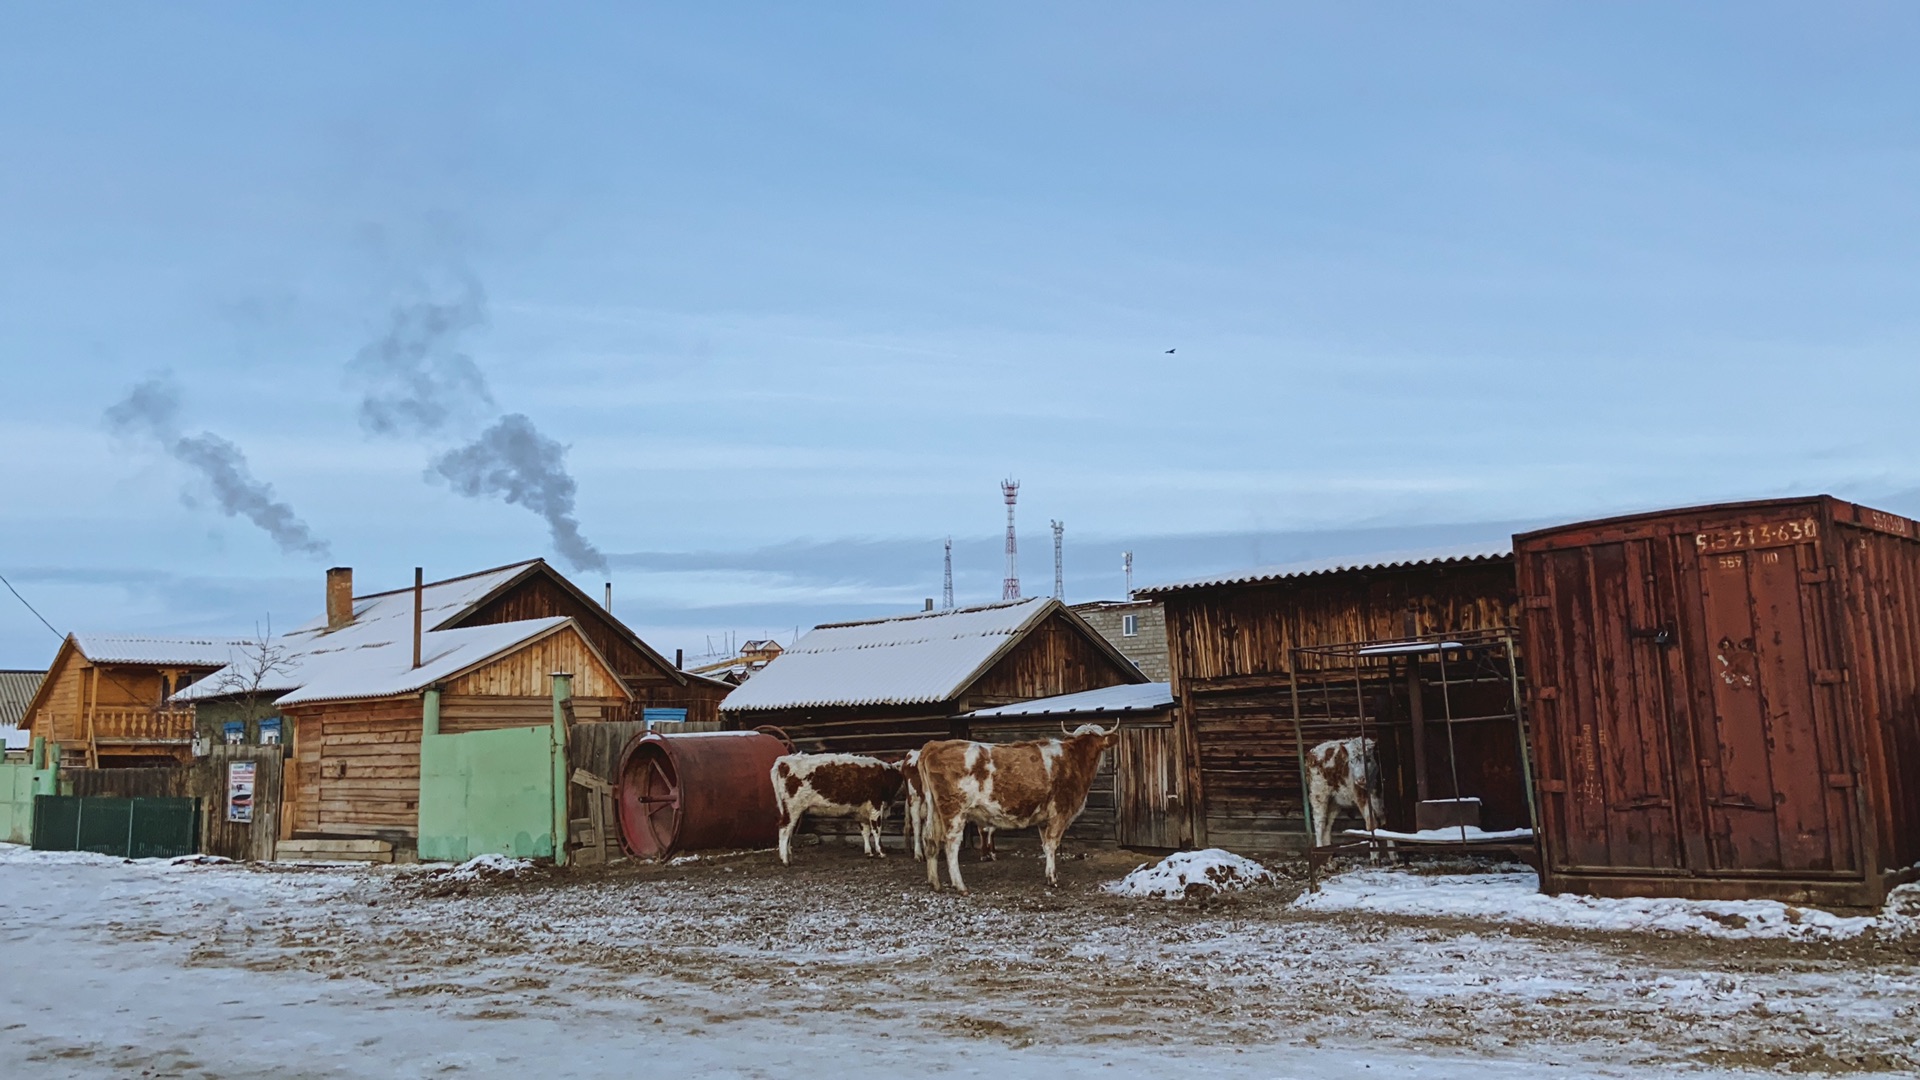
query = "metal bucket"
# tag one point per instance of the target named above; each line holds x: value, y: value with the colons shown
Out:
x: 698, y: 791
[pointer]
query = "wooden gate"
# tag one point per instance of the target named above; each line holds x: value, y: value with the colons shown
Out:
x: 1150, y: 796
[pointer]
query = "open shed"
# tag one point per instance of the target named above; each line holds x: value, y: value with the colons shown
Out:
x: 1234, y: 643
x: 1727, y: 701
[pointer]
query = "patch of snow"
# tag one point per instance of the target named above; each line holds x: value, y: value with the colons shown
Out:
x: 486, y: 866
x: 1471, y: 834
x: 1187, y: 874
x: 1516, y: 898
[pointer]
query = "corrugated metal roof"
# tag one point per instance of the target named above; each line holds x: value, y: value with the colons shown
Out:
x: 132, y: 649
x: 1135, y: 697
x: 911, y: 659
x: 1482, y: 552
x: 16, y: 693
x: 440, y: 601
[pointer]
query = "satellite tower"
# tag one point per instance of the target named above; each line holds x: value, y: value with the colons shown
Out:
x: 946, y: 587
x: 1010, y: 587
x: 1059, y: 580
x: 1126, y: 564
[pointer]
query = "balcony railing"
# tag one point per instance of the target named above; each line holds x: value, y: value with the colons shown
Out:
x: 112, y: 725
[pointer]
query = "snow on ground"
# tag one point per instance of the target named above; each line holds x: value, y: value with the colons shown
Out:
x: 485, y: 866
x: 1191, y: 874
x: 745, y: 967
x: 1516, y: 898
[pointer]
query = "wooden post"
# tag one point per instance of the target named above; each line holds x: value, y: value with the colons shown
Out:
x: 93, y: 707
x: 562, y: 704
x: 1418, y: 716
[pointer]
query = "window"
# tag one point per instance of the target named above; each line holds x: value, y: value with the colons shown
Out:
x: 1129, y: 626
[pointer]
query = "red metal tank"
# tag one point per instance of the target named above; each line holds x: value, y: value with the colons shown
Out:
x: 698, y: 790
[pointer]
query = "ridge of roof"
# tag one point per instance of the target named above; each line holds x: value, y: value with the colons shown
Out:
x: 1488, y: 551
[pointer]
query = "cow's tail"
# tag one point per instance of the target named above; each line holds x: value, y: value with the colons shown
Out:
x: 933, y: 833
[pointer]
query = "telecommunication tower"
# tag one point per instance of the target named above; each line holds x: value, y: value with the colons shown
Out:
x: 1126, y: 564
x: 1010, y: 587
x: 946, y: 587
x: 1059, y: 580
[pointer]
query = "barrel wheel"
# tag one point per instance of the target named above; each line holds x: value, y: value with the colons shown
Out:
x: 658, y: 804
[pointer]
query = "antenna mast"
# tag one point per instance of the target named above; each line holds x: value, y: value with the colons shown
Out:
x: 946, y: 588
x: 1059, y: 580
x: 1126, y: 564
x: 1010, y: 587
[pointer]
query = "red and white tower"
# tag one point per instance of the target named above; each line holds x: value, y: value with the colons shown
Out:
x: 1010, y: 588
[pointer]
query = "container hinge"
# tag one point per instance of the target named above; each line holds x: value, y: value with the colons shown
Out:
x: 1840, y: 780
x: 1546, y: 693
x: 1816, y: 577
x: 1556, y: 787
x: 1829, y: 676
x: 1535, y: 603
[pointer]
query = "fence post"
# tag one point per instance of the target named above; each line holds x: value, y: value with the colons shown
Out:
x: 562, y: 693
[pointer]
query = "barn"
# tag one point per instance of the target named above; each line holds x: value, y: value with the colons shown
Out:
x: 1402, y: 644
x: 1727, y: 701
x: 890, y: 685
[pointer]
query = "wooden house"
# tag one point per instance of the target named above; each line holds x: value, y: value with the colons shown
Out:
x: 105, y: 700
x: 889, y: 685
x: 1233, y: 646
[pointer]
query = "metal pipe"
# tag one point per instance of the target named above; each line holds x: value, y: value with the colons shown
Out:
x: 1417, y: 713
x: 430, y: 712
x: 609, y: 601
x: 419, y: 589
x: 562, y: 694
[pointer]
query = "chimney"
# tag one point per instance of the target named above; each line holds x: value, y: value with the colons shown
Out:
x: 419, y: 590
x: 339, y: 597
x: 929, y: 606
x: 609, y: 603
x: 679, y: 659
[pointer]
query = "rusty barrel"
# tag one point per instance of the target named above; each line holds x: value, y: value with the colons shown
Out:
x: 698, y: 791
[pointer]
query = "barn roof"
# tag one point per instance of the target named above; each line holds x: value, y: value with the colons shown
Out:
x: 1489, y: 551
x: 206, y: 652
x: 1135, y: 697
x: 922, y: 658
x: 16, y: 692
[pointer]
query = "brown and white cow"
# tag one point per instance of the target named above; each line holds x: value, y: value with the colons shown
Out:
x: 1005, y: 786
x: 1342, y: 772
x: 915, y: 828
x: 834, y: 785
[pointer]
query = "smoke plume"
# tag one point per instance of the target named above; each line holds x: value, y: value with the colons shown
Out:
x: 417, y: 379
x: 514, y: 461
x: 152, y: 412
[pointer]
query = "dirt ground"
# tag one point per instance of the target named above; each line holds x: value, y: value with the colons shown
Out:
x: 731, y: 936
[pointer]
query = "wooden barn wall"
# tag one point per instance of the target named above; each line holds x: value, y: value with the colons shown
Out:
x: 356, y: 769
x: 1055, y: 658
x: 1882, y: 623
x: 700, y: 698
x: 875, y: 729
x: 1232, y: 648
x: 537, y: 597
x: 1096, y: 823
x: 528, y: 672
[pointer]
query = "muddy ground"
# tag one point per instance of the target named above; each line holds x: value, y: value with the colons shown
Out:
x: 735, y: 936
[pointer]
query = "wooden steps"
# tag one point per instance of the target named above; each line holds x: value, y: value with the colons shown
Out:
x: 376, y: 851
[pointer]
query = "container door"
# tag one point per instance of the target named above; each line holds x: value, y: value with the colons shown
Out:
x: 1766, y: 729
x: 1599, y: 626
x: 1149, y: 801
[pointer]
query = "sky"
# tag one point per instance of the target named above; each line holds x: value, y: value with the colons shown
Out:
x: 746, y: 308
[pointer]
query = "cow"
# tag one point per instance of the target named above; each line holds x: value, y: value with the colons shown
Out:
x: 1342, y: 772
x: 916, y: 811
x: 835, y: 785
x: 1005, y: 786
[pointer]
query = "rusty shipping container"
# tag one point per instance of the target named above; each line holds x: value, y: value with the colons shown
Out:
x: 1726, y: 701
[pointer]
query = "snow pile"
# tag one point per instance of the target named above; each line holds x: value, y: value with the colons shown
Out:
x: 1191, y: 874
x: 1516, y: 898
x: 487, y: 868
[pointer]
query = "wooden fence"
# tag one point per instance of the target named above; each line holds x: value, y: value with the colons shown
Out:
x: 206, y: 779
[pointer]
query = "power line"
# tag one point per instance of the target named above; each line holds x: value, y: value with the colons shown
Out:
x: 30, y: 607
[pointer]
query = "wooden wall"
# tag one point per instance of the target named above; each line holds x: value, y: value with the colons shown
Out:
x: 1231, y: 650
x: 1054, y: 658
x: 355, y: 769
x: 528, y: 672
x: 74, y: 685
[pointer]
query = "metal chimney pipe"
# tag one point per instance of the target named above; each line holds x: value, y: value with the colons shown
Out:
x: 419, y: 590
x: 609, y: 601
x: 679, y: 659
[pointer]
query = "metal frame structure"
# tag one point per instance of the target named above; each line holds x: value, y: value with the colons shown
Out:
x: 1484, y: 655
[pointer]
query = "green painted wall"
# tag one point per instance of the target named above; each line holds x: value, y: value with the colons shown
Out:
x: 20, y: 781
x: 487, y: 792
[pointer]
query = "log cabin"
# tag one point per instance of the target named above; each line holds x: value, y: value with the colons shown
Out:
x: 104, y: 701
x: 1232, y: 647
x: 890, y: 685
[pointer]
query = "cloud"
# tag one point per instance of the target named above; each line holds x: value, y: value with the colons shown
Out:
x: 151, y: 412
x: 417, y: 380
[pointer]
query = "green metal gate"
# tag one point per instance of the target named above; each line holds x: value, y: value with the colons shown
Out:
x: 487, y: 793
x: 128, y: 828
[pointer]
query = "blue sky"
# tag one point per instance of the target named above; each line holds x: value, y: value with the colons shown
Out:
x: 796, y: 285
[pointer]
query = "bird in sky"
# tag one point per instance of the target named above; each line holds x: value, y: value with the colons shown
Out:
x: 1170, y: 352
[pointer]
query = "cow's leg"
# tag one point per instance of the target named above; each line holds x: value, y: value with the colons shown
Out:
x: 1050, y: 836
x: 956, y: 832
x: 986, y: 845
x: 1322, y: 817
x: 879, y: 820
x: 931, y: 840
x: 788, y: 823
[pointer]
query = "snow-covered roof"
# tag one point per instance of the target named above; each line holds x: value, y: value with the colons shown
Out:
x: 910, y: 659
x: 441, y: 602
x: 1135, y: 697
x: 133, y: 649
x: 1389, y: 560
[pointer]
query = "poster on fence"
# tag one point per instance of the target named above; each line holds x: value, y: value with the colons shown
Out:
x: 240, y: 791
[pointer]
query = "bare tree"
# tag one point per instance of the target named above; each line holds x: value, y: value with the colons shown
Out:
x: 254, y: 677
